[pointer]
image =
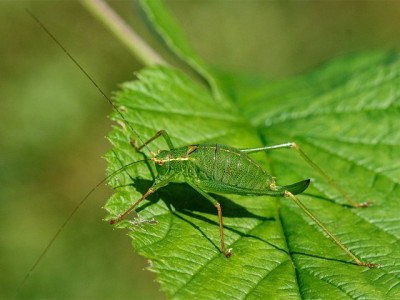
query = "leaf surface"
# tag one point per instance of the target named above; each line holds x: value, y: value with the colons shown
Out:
x: 345, y: 116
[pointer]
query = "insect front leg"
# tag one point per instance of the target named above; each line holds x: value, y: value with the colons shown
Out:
x: 313, y: 165
x: 227, y: 253
x: 162, y: 133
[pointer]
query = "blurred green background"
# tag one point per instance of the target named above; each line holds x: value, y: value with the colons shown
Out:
x: 53, y: 121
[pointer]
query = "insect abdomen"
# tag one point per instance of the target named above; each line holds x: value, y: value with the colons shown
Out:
x: 228, y: 166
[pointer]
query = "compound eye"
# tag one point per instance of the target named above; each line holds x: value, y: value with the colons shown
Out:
x: 160, y: 162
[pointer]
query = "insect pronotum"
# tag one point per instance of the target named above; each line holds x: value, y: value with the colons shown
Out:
x: 212, y: 168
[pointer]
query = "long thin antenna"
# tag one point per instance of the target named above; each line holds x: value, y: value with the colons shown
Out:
x: 84, y: 72
x: 69, y: 218
x: 102, y: 181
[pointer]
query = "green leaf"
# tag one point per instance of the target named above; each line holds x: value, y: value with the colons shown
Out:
x: 345, y: 117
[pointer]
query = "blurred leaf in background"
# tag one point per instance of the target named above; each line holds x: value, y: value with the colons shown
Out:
x: 53, y: 121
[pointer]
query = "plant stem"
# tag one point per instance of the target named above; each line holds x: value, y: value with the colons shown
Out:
x: 137, y: 46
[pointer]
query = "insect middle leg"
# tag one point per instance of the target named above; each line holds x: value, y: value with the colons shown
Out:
x: 227, y: 253
x: 162, y: 133
x: 313, y: 165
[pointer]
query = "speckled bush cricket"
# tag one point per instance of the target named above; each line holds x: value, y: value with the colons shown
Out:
x: 217, y: 168
x: 211, y: 177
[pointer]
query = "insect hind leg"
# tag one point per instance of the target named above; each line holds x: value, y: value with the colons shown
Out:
x: 336, y: 240
x: 313, y: 165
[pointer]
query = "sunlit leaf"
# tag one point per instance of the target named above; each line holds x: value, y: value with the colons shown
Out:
x: 344, y: 115
x: 277, y: 249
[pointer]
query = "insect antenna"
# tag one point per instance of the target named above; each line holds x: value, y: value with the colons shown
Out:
x: 102, y: 181
x: 60, y: 229
x: 85, y: 73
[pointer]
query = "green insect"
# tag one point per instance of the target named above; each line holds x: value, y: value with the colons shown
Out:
x: 209, y: 168
x: 218, y: 168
